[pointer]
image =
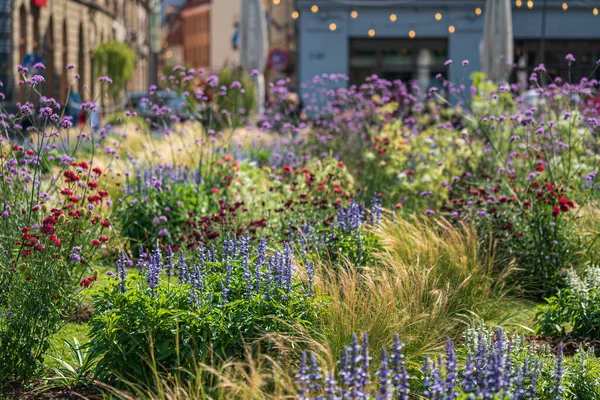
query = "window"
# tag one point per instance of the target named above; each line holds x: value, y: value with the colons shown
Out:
x: 397, y: 58
x: 528, y: 56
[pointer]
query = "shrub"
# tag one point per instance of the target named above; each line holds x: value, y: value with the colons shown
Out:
x: 117, y: 61
x: 575, y: 309
x: 219, y: 303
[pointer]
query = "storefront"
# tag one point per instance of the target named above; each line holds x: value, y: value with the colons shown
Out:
x: 411, y: 40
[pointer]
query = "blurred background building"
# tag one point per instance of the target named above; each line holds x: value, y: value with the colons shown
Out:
x: 203, y: 34
x: 412, y: 39
x: 62, y: 32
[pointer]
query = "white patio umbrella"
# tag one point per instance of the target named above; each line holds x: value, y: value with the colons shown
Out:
x: 496, y: 48
x: 254, y: 44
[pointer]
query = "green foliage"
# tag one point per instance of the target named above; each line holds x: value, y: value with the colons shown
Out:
x: 575, y: 310
x: 32, y: 304
x: 117, y: 61
x: 78, y: 373
x: 178, y: 325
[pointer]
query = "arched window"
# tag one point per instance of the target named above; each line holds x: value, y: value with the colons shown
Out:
x: 64, y: 63
x: 22, y: 45
x: 48, y: 58
x: 81, y: 61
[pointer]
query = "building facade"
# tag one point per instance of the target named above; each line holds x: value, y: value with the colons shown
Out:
x: 62, y: 32
x: 412, y: 39
x: 202, y: 33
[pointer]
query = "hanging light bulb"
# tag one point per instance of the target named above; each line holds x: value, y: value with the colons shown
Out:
x: 438, y: 16
x: 565, y: 6
x: 371, y: 32
x: 412, y: 34
x: 478, y: 11
x: 595, y: 11
x: 451, y: 29
x: 314, y: 8
x: 393, y: 17
x: 518, y: 3
x: 530, y: 4
x: 276, y: 2
x: 354, y: 14
x: 332, y: 26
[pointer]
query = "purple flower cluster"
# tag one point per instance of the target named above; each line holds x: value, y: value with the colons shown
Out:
x: 490, y: 372
x: 268, y: 276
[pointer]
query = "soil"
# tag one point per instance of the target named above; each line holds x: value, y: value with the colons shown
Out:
x: 82, y: 314
x: 570, y: 344
x: 21, y: 393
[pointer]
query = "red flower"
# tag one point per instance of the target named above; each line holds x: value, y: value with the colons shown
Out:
x: 340, y: 164
x: 97, y: 171
x: 73, y: 199
x: 214, y: 190
x: 30, y: 152
x: 539, y: 168
x: 93, y: 185
x: 397, y: 206
x: 84, y: 165
x: 87, y: 282
x: 95, y: 242
x: 105, y: 223
x: 66, y: 192
x: 55, y: 240
x: 71, y: 176
x: 287, y: 168
x: 94, y: 199
x: 103, y: 238
x: 103, y: 193
x: 555, y: 211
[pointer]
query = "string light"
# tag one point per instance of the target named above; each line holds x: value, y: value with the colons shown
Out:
x: 371, y: 32
x: 314, y: 8
x: 530, y: 4
x: 295, y: 15
x: 518, y: 3
x: 393, y: 17
x: 412, y: 34
x: 438, y: 16
x: 478, y: 11
x: 276, y: 2
x: 332, y: 26
x: 354, y: 14
x: 451, y: 29
x: 565, y: 6
x: 595, y: 11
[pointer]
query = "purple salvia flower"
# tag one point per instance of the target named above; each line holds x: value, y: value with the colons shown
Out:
x: 451, y: 371
x: 468, y: 376
x: 331, y: 387
x: 142, y: 261
x: 385, y: 391
x: 169, y: 263
x: 302, y: 380
x: 315, y: 376
x: 259, y: 262
x: 400, y: 377
x: 558, y: 373
x: 183, y: 269
x: 245, y: 255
